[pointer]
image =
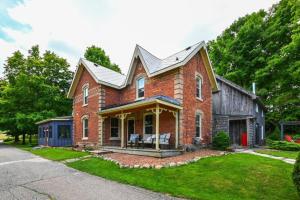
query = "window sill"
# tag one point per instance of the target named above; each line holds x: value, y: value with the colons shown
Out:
x: 140, y: 98
x: 198, y: 98
x: 114, y: 138
x: 84, y: 105
x: 85, y: 138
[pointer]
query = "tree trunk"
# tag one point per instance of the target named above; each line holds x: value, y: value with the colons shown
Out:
x: 17, y: 138
x: 23, y: 138
x: 30, y: 138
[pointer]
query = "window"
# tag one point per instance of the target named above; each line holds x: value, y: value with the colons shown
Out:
x: 256, y: 107
x: 114, y: 127
x: 198, y: 125
x: 262, y: 113
x: 50, y: 131
x: 85, y: 128
x: 148, y: 124
x: 64, y: 131
x: 140, y: 91
x: 262, y: 132
x: 85, y: 95
x: 199, y: 87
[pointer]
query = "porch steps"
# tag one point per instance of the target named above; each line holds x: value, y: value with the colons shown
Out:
x: 100, y: 152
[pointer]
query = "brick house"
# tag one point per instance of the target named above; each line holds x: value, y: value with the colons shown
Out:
x: 158, y: 98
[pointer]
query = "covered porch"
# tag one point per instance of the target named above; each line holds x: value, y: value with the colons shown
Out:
x: 146, y: 127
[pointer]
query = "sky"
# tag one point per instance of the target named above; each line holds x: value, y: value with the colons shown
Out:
x: 68, y: 27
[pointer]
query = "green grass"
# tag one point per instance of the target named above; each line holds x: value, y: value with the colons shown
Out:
x: 235, y: 176
x: 58, y: 154
x: 285, y: 154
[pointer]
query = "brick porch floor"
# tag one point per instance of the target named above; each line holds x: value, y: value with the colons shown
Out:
x: 135, y: 161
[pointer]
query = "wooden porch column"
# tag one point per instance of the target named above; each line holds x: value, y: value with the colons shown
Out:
x: 122, y: 116
x: 157, y: 127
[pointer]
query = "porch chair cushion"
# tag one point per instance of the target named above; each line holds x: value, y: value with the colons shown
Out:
x: 147, y: 138
x: 134, y: 137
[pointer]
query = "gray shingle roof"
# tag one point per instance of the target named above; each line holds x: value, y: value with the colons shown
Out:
x: 103, y: 74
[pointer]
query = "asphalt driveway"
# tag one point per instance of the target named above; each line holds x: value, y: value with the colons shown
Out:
x: 26, y: 176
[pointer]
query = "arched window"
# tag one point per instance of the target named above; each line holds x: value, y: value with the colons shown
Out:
x: 199, y: 87
x: 85, y: 127
x: 140, y: 88
x: 85, y: 91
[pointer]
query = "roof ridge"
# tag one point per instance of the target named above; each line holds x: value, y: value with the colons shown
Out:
x: 148, y: 52
x: 183, y: 50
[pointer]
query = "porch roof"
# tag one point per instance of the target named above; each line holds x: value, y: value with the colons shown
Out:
x: 160, y: 99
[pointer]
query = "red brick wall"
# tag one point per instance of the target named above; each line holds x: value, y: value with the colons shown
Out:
x: 90, y: 110
x: 158, y: 85
x: 191, y: 104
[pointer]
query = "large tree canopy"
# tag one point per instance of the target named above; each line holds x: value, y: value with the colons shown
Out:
x: 97, y: 55
x: 34, y: 89
x: 264, y: 47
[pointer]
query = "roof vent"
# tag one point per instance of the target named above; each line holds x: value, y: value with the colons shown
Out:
x: 95, y: 64
x: 177, y: 58
x: 188, y: 48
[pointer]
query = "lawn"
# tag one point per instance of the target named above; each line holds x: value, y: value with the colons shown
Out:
x: 234, y: 176
x: 58, y: 154
x: 285, y: 154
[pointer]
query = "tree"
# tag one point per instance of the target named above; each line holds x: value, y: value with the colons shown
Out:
x: 35, y: 89
x: 97, y: 55
x: 264, y: 47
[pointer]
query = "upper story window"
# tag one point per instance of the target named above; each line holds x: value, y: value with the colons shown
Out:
x: 256, y: 107
x: 85, y: 95
x: 199, y: 87
x: 198, y: 125
x: 140, y: 89
x: 85, y: 127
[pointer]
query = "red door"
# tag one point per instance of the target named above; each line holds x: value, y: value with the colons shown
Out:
x: 244, y: 139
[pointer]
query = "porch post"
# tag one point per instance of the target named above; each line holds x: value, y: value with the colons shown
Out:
x: 176, y: 129
x: 157, y: 127
x: 122, y: 130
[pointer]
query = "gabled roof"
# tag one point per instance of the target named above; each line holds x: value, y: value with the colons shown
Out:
x: 99, y: 73
x: 153, y: 66
x: 237, y: 87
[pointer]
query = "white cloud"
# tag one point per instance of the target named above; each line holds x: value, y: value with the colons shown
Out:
x: 162, y: 27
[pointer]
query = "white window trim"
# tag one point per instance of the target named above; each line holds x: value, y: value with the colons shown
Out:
x: 84, y: 87
x: 199, y: 76
x: 82, y: 122
x: 201, y: 116
x: 114, y: 138
x: 262, y: 132
x: 137, y: 88
x: 144, y: 117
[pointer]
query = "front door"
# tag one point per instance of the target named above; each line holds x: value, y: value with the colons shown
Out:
x: 130, y: 127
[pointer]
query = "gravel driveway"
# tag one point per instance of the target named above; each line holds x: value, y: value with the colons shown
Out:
x: 26, y: 176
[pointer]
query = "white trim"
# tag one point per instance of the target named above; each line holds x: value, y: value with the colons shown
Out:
x: 83, y: 118
x: 200, y: 125
x: 137, y: 87
x: 144, y: 116
x: 262, y: 132
x: 85, y: 88
x: 199, y: 78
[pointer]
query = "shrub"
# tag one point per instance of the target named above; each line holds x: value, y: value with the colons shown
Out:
x: 296, y: 174
x: 283, y: 145
x: 296, y: 137
x: 275, y: 135
x: 221, y: 141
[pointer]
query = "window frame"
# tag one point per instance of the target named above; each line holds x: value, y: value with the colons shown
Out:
x: 85, y: 95
x: 59, y: 136
x: 137, y: 88
x: 199, y: 82
x: 84, y: 128
x: 144, y: 120
x: 200, y: 125
x: 118, y: 136
x: 256, y: 108
x: 50, y: 131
